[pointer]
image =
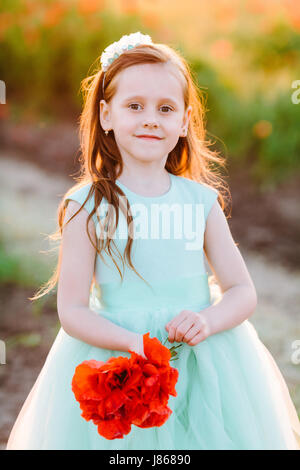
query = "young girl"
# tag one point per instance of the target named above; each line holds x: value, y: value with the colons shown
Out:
x: 147, y: 190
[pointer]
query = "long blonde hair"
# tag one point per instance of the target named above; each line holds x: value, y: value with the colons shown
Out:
x: 101, y: 163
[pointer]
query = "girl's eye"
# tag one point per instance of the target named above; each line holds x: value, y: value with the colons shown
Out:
x: 133, y: 104
x: 168, y: 107
x: 136, y: 104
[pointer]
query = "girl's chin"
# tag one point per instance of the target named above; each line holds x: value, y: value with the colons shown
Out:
x: 148, y: 154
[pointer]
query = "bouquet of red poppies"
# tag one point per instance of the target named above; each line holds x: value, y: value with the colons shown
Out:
x: 123, y: 391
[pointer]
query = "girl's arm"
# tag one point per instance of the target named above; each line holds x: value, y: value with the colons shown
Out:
x: 75, y: 277
x: 239, y: 297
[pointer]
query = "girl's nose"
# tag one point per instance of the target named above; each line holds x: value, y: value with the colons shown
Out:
x: 150, y: 123
x: 150, y: 118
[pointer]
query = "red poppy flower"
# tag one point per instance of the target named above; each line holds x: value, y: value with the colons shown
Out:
x: 125, y: 391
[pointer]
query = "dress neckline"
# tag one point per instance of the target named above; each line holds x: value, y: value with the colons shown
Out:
x: 167, y: 193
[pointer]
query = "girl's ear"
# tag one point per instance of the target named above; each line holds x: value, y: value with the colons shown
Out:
x: 104, y: 114
x: 188, y: 114
x: 186, y: 117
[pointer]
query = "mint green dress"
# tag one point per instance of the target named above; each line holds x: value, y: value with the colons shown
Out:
x: 230, y: 393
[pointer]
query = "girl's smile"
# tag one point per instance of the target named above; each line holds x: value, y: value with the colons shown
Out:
x: 148, y: 137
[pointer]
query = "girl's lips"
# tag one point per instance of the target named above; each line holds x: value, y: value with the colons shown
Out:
x: 148, y: 138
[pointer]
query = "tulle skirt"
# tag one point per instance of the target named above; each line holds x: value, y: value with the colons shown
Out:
x: 230, y: 395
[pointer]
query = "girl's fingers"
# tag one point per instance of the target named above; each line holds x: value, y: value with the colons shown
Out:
x: 197, y: 339
x: 172, y: 326
x: 199, y: 326
x: 198, y: 335
x: 178, y: 333
x: 191, y: 333
x: 180, y: 325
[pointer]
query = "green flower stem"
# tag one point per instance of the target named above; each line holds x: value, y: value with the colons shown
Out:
x: 172, y: 350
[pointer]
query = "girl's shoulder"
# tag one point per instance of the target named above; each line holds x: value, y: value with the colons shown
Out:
x: 201, y: 192
x: 79, y: 193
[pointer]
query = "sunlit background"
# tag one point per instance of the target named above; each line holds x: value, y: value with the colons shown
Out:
x: 245, y: 56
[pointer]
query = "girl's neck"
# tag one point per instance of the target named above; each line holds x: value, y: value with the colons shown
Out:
x: 147, y: 186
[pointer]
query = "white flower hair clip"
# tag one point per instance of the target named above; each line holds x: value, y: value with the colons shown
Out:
x: 114, y: 50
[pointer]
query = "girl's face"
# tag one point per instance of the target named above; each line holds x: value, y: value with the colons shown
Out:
x: 149, y: 100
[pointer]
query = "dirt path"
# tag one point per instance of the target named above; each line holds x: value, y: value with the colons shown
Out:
x: 29, y: 198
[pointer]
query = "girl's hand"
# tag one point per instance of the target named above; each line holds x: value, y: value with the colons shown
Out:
x: 189, y: 327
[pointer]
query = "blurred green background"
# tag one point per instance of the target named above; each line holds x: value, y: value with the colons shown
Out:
x: 245, y: 55
x: 245, y: 58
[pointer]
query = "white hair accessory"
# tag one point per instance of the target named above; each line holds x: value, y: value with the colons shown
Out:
x: 114, y: 50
